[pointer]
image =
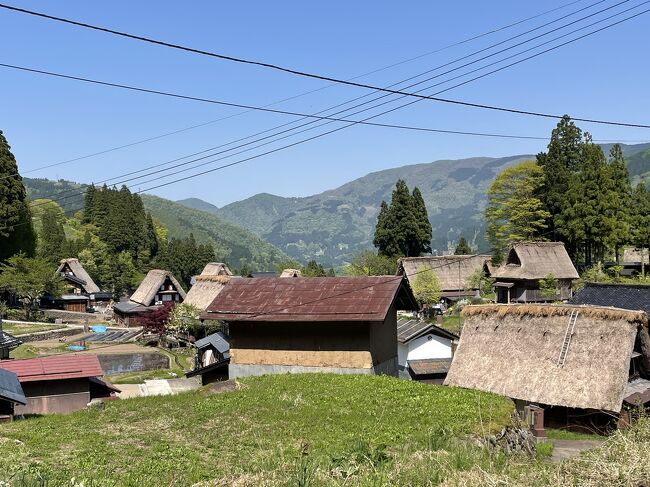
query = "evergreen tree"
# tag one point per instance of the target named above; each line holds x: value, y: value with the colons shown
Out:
x: 89, y: 203
x: 620, y: 201
x: 313, y: 269
x: 641, y: 216
x: 422, y: 243
x: 52, y: 241
x: 403, y: 228
x: 463, y: 247
x: 16, y: 230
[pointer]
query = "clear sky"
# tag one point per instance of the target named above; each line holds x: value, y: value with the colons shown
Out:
x: 48, y: 120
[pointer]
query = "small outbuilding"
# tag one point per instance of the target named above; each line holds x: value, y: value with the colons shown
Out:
x: 567, y: 366
x: 517, y: 279
x: 424, y: 350
x: 8, y: 343
x: 454, y: 272
x: 59, y: 384
x: 321, y: 324
x: 212, y: 358
x: 157, y: 288
x: 11, y: 394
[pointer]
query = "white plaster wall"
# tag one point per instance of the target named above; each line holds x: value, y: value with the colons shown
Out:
x: 429, y: 346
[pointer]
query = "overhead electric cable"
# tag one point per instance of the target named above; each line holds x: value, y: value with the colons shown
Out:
x: 377, y: 70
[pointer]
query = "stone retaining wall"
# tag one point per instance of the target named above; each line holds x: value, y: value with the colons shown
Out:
x: 75, y: 317
x: 49, y: 335
x: 118, y: 363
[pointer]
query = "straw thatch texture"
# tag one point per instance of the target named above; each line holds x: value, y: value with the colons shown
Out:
x: 513, y: 350
x: 453, y: 271
x: 206, y: 288
x: 536, y: 260
x: 148, y: 288
x: 291, y: 273
x: 79, y: 272
x: 216, y: 269
x: 635, y: 256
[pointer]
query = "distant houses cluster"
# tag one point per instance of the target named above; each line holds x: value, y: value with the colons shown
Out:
x: 564, y: 358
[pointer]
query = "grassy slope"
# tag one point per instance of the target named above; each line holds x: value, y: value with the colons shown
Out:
x: 264, y: 431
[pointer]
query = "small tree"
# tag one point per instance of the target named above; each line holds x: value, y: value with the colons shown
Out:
x: 155, y: 321
x: 183, y: 319
x: 29, y: 279
x: 313, y: 269
x: 463, y: 247
x: 367, y: 263
x: 426, y: 287
x: 548, y: 286
x: 478, y: 280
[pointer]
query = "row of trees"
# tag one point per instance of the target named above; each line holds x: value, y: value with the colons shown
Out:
x: 571, y: 193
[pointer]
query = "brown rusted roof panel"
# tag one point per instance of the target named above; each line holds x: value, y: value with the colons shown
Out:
x: 311, y: 299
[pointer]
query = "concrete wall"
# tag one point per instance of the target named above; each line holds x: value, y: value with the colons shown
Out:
x: 73, y: 317
x: 56, y: 396
x: 116, y: 363
x: 246, y: 370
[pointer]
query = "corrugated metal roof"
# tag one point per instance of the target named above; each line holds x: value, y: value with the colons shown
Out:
x: 311, y: 299
x: 430, y: 366
x: 72, y: 366
x: 411, y: 328
x: 218, y: 340
x: 10, y: 388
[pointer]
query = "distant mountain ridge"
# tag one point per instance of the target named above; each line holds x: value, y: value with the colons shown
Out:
x: 334, y: 225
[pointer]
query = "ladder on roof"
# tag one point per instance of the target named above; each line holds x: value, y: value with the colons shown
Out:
x: 567, y: 337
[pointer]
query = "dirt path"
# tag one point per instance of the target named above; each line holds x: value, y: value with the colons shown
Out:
x: 565, y: 449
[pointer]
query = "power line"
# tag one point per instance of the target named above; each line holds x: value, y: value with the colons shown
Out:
x: 270, y: 66
x: 399, y: 63
x: 351, y: 123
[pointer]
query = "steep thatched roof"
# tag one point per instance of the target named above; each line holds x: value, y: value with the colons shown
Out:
x: 216, y: 269
x: 80, y: 273
x: 291, y: 273
x: 634, y: 256
x: 453, y: 271
x: 148, y: 288
x: 536, y: 260
x: 206, y: 288
x: 514, y: 350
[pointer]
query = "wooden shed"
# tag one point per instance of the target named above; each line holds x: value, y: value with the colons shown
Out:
x: 573, y: 362
x: 329, y: 324
x: 59, y: 384
x: 8, y: 343
x: 211, y: 359
x: 517, y: 279
x: 11, y: 394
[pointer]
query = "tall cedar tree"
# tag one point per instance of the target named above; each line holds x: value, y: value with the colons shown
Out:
x: 403, y: 228
x: 641, y: 217
x: 52, y: 241
x: 16, y: 230
x: 621, y: 205
x: 463, y: 247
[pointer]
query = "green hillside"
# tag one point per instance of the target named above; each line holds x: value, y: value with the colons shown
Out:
x: 334, y: 225
x: 199, y: 204
x: 232, y: 244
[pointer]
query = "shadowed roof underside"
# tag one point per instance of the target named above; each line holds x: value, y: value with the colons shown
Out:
x: 513, y: 350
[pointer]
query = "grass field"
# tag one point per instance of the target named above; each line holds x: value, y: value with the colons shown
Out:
x: 22, y: 329
x: 312, y: 429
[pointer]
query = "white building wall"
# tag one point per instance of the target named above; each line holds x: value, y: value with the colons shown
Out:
x: 426, y: 347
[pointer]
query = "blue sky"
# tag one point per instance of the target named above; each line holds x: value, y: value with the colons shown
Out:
x: 49, y: 120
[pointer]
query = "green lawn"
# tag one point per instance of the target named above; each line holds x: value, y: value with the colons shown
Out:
x: 23, y: 329
x: 312, y: 429
x: 453, y: 323
x: 558, y: 434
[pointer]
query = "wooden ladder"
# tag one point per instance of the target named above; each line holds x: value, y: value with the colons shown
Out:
x: 567, y: 337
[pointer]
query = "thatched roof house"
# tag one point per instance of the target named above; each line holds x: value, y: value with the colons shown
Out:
x: 208, y: 285
x: 77, y: 277
x: 636, y: 256
x: 521, y: 351
x: 291, y: 273
x: 155, y: 286
x: 453, y: 271
x: 517, y: 279
x: 158, y: 287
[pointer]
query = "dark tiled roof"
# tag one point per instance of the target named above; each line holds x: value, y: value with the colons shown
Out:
x: 8, y: 341
x: 311, y: 299
x: 430, y: 366
x: 129, y: 307
x: 217, y: 340
x: 626, y: 296
x: 411, y: 328
x: 10, y: 388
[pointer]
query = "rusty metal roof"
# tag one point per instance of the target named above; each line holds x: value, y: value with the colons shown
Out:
x: 311, y: 299
x: 55, y: 367
x: 430, y: 366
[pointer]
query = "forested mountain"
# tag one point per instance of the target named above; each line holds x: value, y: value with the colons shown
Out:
x: 199, y: 204
x: 232, y: 244
x: 334, y: 225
